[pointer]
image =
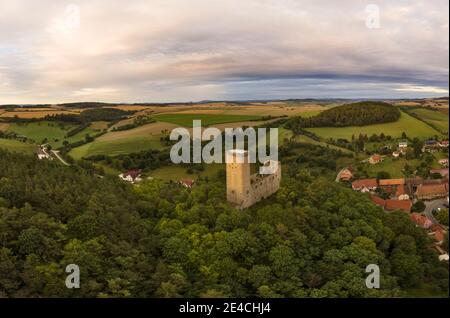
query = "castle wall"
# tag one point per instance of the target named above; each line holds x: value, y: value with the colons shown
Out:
x: 244, y: 189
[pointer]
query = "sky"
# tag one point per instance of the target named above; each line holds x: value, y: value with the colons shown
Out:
x: 191, y: 50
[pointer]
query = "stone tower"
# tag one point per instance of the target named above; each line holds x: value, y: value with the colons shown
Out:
x: 238, y: 177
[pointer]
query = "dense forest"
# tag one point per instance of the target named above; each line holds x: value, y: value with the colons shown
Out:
x: 355, y: 114
x: 314, y: 238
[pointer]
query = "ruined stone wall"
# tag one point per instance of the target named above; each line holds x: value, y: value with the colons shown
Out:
x: 244, y: 189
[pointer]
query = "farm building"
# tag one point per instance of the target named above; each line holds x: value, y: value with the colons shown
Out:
x: 365, y: 185
x: 187, y: 183
x: 374, y: 159
x: 131, y: 176
x: 43, y: 154
x: 345, y: 175
x: 432, y: 191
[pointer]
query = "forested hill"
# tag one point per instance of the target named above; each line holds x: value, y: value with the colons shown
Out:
x: 355, y: 114
x: 314, y: 238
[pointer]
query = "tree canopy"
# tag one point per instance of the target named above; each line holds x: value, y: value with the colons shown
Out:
x: 313, y: 238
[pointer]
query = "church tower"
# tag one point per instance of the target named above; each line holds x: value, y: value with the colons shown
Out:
x: 238, y: 177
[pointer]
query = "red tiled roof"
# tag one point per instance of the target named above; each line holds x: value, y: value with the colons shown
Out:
x: 436, y: 227
x: 400, y: 190
x: 392, y: 205
x: 432, y: 189
x: 361, y: 183
x: 378, y: 201
x: 421, y: 220
x: 187, y: 183
x: 375, y: 157
x: 132, y: 173
x: 385, y: 182
x: 346, y: 174
x: 438, y: 232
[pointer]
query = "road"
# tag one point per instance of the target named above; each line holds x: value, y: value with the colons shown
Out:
x: 432, y: 205
x: 56, y: 154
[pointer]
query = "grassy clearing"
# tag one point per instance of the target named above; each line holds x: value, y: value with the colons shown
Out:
x: 38, y: 131
x: 392, y: 166
x: 408, y: 124
x: 54, y: 132
x: 185, y: 120
x: 17, y: 146
x: 287, y: 134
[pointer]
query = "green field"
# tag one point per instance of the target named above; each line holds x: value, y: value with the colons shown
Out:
x: 435, y: 118
x: 116, y: 147
x: 392, y: 166
x: 284, y: 133
x: 185, y: 120
x: 54, y: 132
x: 408, y: 124
x: 17, y: 146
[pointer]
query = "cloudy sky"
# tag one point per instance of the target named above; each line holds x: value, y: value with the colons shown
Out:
x: 189, y: 50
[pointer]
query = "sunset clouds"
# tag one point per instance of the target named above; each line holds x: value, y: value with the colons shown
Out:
x: 183, y: 50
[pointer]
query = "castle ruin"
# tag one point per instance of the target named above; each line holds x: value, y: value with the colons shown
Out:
x: 244, y: 189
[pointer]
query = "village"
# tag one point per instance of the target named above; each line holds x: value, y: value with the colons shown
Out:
x: 420, y: 197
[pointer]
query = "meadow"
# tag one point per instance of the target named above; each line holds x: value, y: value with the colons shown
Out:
x: 390, y: 165
x: 186, y: 120
x: 435, y: 118
x: 17, y: 146
x: 408, y: 124
x: 116, y: 147
x: 54, y: 132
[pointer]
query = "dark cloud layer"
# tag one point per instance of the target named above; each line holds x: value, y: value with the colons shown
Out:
x: 180, y: 50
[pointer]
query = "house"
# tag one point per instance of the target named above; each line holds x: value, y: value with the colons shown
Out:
x: 443, y: 162
x: 43, y: 154
x: 421, y: 220
x: 345, y: 175
x: 430, y: 142
x: 431, y: 146
x: 393, y: 205
x: 396, y: 154
x: 374, y: 159
x: 131, y: 176
x: 365, y: 185
x: 444, y: 143
x: 432, y: 191
x: 187, y: 183
x: 443, y: 172
x: 403, y: 144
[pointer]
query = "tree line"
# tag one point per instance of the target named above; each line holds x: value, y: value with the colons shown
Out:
x: 354, y: 114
